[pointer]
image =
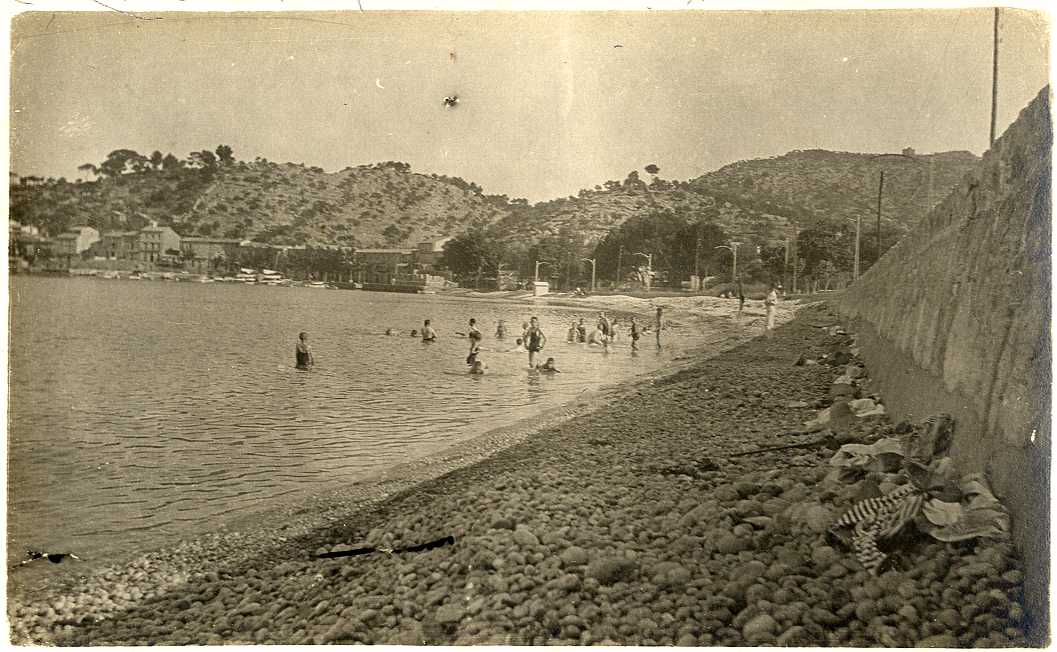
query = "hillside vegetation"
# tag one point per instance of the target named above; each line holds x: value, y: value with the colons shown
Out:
x: 386, y: 204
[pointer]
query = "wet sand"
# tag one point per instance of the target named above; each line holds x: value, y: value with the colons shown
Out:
x: 621, y: 518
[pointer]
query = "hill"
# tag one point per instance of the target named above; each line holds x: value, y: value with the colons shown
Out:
x: 812, y: 185
x: 383, y: 204
x: 386, y: 204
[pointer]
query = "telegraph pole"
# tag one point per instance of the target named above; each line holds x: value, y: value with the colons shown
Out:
x: 880, y: 189
x: 994, y: 80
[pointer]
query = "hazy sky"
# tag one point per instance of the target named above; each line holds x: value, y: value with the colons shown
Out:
x: 548, y: 102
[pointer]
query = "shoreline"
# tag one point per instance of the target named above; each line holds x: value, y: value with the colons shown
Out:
x: 243, y: 537
x: 641, y: 521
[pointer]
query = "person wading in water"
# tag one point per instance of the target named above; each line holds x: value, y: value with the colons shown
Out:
x: 535, y: 340
x: 303, y: 352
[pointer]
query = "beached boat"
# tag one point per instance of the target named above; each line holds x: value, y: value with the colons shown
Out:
x: 246, y: 275
x: 269, y: 277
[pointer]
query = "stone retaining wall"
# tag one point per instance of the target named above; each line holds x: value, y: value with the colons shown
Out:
x: 956, y: 318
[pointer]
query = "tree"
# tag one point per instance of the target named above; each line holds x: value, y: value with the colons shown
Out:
x: 652, y: 168
x: 120, y: 161
x: 392, y: 235
x: 477, y: 251
x: 156, y: 159
x: 204, y: 159
x: 170, y: 163
x: 225, y: 154
x: 89, y: 167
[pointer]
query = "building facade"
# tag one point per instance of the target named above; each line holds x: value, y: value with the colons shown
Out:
x: 156, y: 243
x: 203, y: 254
x: 382, y: 266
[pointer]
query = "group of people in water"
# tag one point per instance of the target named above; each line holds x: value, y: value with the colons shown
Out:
x: 532, y: 340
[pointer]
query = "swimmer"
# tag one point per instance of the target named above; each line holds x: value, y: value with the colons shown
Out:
x: 582, y: 330
x: 549, y: 366
x: 606, y: 327
x: 519, y: 348
x: 474, y: 334
x: 474, y: 350
x: 303, y: 352
x: 574, y: 334
x: 535, y: 340
x: 428, y: 334
x: 389, y: 331
x: 414, y: 333
x: 595, y: 338
x: 634, y: 335
x: 500, y: 330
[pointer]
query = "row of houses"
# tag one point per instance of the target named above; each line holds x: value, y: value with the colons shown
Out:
x: 155, y: 246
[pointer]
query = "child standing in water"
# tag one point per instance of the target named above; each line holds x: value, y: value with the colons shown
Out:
x: 303, y: 352
x: 428, y: 334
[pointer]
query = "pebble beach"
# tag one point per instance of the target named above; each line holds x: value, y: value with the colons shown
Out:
x: 641, y: 514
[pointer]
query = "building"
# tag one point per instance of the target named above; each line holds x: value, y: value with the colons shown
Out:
x: 383, y: 266
x: 75, y: 240
x: 428, y: 254
x: 156, y: 243
x: 203, y: 254
x: 116, y: 245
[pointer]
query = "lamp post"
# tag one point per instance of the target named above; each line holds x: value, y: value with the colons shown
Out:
x: 538, y: 263
x: 592, y: 261
x: 733, y: 248
x: 649, y: 267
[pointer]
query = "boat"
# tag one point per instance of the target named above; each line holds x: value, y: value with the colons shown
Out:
x: 269, y: 277
x: 246, y: 275
x: 318, y: 285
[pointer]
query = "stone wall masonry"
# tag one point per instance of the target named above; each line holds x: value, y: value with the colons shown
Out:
x: 956, y: 318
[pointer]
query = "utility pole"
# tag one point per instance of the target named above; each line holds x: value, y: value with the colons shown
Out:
x: 734, y: 250
x: 994, y: 80
x: 880, y: 189
x: 592, y: 261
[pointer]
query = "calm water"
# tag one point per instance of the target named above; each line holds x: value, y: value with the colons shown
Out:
x: 144, y: 411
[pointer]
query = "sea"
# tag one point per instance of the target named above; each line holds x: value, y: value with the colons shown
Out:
x: 142, y: 412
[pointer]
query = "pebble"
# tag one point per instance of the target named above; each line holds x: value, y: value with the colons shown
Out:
x: 761, y: 629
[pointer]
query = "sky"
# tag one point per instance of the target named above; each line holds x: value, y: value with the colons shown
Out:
x: 549, y: 102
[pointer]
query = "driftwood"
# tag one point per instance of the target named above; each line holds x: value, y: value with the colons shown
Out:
x: 825, y: 441
x: 439, y: 543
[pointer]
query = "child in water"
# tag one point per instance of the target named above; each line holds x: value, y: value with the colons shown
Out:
x: 574, y: 333
x: 549, y: 366
x: 303, y: 352
x: 472, y: 358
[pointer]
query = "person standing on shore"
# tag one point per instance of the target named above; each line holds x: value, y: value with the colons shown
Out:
x: 535, y: 340
x: 741, y: 297
x: 770, y: 302
x: 658, y: 327
x: 303, y: 352
x: 428, y: 334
